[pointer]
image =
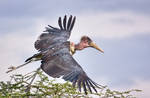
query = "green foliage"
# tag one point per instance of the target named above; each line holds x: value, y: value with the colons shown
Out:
x: 37, y: 84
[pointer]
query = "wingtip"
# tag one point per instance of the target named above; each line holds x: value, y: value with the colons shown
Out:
x: 72, y: 23
x: 65, y: 16
x: 64, y: 22
x: 60, y: 23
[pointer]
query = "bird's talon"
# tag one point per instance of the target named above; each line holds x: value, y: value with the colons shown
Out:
x: 12, y: 68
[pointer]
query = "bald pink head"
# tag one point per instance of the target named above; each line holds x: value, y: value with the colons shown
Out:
x: 86, y: 42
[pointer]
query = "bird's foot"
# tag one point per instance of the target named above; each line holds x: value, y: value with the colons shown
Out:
x: 11, y: 69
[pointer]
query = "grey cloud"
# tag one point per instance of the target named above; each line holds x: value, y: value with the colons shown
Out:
x: 18, y: 14
x: 122, y: 60
x: 46, y: 8
x: 16, y: 25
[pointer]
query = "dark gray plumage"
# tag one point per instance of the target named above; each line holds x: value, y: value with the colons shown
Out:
x: 56, y: 58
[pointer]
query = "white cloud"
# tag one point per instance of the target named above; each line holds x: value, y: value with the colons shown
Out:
x: 143, y: 85
x: 117, y: 24
x: 111, y: 24
x: 139, y: 84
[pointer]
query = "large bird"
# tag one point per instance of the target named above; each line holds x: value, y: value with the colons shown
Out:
x: 55, y: 53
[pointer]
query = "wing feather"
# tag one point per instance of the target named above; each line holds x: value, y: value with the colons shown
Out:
x: 72, y: 24
x: 55, y: 35
x: 79, y: 85
x: 60, y: 23
x: 92, y: 85
x: 69, y: 22
x: 64, y: 22
x: 59, y: 62
x: 88, y: 86
x: 84, y: 87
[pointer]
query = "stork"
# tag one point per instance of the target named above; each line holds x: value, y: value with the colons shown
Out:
x: 55, y: 53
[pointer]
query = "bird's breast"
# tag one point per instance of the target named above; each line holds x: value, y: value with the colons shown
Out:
x: 72, y: 48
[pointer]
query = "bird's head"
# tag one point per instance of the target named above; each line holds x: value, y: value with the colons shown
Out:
x: 86, y: 42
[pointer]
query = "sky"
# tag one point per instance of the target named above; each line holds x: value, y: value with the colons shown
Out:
x: 119, y: 27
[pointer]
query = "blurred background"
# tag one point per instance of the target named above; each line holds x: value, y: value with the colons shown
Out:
x: 120, y: 27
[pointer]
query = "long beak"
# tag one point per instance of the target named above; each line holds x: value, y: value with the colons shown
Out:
x: 96, y: 47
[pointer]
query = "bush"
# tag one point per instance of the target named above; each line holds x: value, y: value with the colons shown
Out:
x: 36, y: 84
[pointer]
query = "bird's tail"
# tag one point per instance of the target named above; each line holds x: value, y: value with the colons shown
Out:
x: 35, y: 57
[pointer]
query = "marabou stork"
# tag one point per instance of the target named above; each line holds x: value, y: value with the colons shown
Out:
x: 55, y: 53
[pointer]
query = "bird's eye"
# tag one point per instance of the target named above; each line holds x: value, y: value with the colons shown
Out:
x: 86, y: 41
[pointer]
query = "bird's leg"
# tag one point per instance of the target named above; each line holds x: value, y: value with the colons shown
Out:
x: 12, y: 68
x: 35, y: 57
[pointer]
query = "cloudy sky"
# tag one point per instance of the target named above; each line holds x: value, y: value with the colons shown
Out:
x: 120, y: 27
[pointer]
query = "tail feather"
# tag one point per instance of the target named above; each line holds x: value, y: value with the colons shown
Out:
x: 35, y: 57
x: 28, y: 59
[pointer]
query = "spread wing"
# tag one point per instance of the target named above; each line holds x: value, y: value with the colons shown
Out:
x: 57, y: 62
x: 55, y: 35
x: 56, y: 58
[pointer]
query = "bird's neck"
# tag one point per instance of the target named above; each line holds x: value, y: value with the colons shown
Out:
x: 74, y: 47
x: 78, y: 46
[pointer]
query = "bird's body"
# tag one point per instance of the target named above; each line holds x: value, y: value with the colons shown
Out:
x: 56, y: 58
x: 55, y: 53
